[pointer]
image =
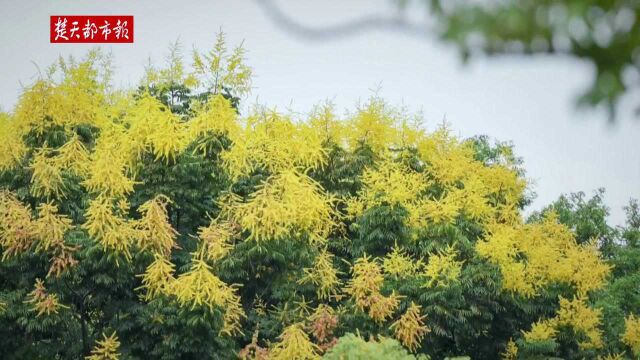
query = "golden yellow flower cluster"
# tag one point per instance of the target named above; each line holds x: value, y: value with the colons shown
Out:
x: 487, y: 194
x: 46, y: 180
x: 215, y: 117
x: 43, y: 302
x: 583, y: 319
x: 541, y: 331
x: 275, y: 143
x: 158, y: 278
x: 153, y: 127
x: 106, y: 225
x: 154, y: 232
x: 511, y: 351
x: 216, y: 240
x: 575, y: 314
x: 410, y: 329
x: 16, y: 226
x: 399, y: 264
x: 111, y: 163
x: 12, y: 148
x: 106, y: 349
x: 294, y: 344
x: 199, y: 286
x: 443, y: 268
x: 364, y: 287
x: 19, y: 232
x: 287, y: 204
x: 631, y: 336
x: 323, y: 276
x: 525, y: 253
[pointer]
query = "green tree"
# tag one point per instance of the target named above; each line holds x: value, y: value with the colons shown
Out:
x: 159, y: 224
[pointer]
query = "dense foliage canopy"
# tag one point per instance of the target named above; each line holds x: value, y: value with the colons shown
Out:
x: 160, y: 223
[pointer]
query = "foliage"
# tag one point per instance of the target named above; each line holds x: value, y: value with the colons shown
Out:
x: 294, y: 344
x: 631, y: 336
x: 353, y: 347
x: 410, y: 328
x: 106, y: 349
x: 185, y: 230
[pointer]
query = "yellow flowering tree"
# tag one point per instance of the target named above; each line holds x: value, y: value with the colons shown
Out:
x: 194, y: 228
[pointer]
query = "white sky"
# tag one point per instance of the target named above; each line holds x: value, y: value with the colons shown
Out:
x: 528, y: 101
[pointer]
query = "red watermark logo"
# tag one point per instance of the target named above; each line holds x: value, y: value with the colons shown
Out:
x: 91, y: 29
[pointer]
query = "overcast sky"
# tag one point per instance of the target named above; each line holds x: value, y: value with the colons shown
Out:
x: 527, y: 101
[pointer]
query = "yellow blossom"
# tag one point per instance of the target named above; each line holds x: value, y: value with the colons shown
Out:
x: 106, y: 349
x: 324, y: 121
x: 398, y: 264
x: 50, y: 227
x: 153, y: 127
x: 42, y: 302
x: 575, y: 314
x: 374, y: 124
x: 585, y: 267
x: 323, y: 275
x: 440, y: 211
x: 510, y: 351
x: 449, y: 159
x: 525, y: 253
x: 410, y: 329
x: 200, y: 287
x: 216, y: 239
x: 366, y: 280
x: 111, y: 160
x: 62, y: 259
x: 112, y: 231
x: 631, y: 336
x: 294, y: 344
x: 275, y: 143
x: 443, y: 268
x: 74, y: 98
x: 383, y: 307
x: 541, y: 331
x: 158, y: 278
x: 154, y: 231
x: 393, y: 183
x: 582, y: 319
x: 73, y: 155
x: 220, y: 69
x: 287, y: 204
x: 46, y: 180
x: 12, y: 148
x: 16, y: 225
x: 233, y: 315
x: 216, y: 117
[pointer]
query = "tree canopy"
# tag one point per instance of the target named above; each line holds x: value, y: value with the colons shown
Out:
x: 161, y: 223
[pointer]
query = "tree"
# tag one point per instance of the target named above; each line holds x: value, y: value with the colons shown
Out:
x: 160, y: 223
x: 586, y: 218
